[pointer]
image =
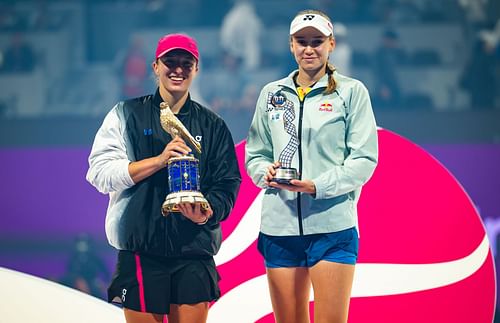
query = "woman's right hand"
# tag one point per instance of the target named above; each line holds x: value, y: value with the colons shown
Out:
x: 271, y: 172
x: 177, y: 147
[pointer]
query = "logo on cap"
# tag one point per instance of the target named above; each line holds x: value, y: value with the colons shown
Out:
x: 318, y: 22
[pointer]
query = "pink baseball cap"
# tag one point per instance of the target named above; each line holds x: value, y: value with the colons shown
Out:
x: 177, y: 41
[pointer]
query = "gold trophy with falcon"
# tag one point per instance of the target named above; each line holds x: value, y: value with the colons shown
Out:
x: 183, y: 172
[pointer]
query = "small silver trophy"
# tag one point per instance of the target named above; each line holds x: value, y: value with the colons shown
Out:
x: 183, y: 172
x: 285, y: 173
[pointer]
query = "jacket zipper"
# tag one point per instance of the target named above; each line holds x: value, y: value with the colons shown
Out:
x: 299, y: 134
x: 299, y: 208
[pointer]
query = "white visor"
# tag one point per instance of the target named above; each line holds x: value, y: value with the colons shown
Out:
x: 311, y: 20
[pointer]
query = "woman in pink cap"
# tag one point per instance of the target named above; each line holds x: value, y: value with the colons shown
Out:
x: 312, y: 145
x: 165, y: 263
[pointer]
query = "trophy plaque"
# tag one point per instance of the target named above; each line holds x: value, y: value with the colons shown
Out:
x: 183, y: 172
x: 284, y: 175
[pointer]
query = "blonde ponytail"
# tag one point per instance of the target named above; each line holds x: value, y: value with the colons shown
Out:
x: 332, y: 84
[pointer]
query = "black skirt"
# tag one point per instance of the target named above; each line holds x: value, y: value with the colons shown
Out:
x: 148, y: 283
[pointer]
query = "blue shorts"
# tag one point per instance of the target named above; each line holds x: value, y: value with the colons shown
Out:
x: 307, y: 250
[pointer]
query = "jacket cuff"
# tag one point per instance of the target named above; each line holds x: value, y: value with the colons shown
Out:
x: 123, y: 174
x: 321, y: 187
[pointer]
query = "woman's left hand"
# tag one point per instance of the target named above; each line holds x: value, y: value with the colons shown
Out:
x: 303, y: 186
x: 195, y: 213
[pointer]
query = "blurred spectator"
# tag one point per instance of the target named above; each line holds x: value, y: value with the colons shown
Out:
x: 239, y: 116
x: 347, y: 10
x: 388, y: 57
x: 396, y: 12
x: 41, y: 18
x: 19, y: 57
x: 229, y: 90
x: 133, y: 69
x: 342, y: 54
x: 493, y: 35
x: 224, y: 87
x: 479, y: 77
x: 195, y: 90
x: 475, y: 10
x: 9, y: 19
x: 86, y: 271
x: 240, y: 34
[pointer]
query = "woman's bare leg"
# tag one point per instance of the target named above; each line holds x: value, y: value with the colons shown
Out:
x: 141, y: 317
x: 289, y: 289
x: 332, y: 285
x: 188, y: 313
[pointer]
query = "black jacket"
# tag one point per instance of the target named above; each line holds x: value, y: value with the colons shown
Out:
x: 140, y: 226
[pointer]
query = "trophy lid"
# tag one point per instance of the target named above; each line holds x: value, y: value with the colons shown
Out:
x: 187, y: 157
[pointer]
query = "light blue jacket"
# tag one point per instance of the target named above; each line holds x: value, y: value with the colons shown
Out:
x: 338, y: 151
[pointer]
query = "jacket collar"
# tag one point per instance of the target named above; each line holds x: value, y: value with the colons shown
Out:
x: 288, y: 81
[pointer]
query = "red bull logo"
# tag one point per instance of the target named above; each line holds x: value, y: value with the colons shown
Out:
x: 326, y: 107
